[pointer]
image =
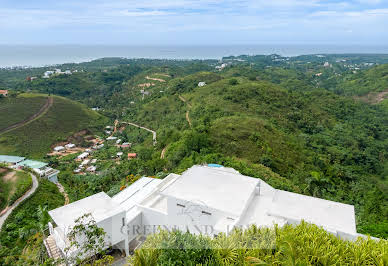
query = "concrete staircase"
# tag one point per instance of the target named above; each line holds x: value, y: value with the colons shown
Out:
x: 51, y: 247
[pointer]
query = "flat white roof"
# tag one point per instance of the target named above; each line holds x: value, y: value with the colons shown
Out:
x: 216, y: 187
x: 329, y: 214
x: 136, y: 192
x: 100, y: 205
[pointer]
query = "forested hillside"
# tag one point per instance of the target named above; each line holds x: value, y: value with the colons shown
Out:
x: 293, y: 121
x: 325, y: 145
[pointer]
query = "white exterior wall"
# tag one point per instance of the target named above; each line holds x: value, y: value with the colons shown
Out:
x: 114, y: 228
x: 134, y: 227
x: 151, y: 219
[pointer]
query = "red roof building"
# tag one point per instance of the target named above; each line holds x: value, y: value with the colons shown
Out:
x: 4, y: 92
x: 132, y: 155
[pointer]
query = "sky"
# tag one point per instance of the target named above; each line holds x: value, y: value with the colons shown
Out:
x: 194, y: 22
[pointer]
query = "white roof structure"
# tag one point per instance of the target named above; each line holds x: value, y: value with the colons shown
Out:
x: 100, y: 205
x: 216, y: 188
x: 59, y: 148
x: 329, y: 214
x: 111, y: 138
x: 91, y: 168
x: 130, y: 197
x: 85, y: 162
x: 210, y: 195
x: 70, y: 146
x: 83, y: 155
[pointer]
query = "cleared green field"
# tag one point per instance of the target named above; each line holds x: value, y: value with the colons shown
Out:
x: 64, y: 118
x: 14, y: 110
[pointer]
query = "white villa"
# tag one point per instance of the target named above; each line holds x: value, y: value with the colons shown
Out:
x: 204, y: 199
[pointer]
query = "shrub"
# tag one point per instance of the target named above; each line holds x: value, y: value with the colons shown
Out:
x: 304, y: 244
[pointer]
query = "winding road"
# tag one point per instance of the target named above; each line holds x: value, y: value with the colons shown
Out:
x: 188, y: 111
x: 35, y: 185
x: 149, y: 130
x: 41, y: 112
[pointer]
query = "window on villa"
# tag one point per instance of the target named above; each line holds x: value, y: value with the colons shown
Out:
x: 207, y: 213
x: 180, y: 205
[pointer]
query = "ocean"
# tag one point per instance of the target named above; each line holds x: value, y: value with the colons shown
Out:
x: 23, y: 55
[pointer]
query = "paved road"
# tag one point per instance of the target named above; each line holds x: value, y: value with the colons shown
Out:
x: 35, y: 185
x: 41, y: 111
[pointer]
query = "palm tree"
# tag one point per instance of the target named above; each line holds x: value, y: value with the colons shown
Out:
x: 43, y: 219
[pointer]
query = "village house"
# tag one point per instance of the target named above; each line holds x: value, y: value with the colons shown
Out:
x: 201, y: 84
x: 4, y: 93
x: 126, y: 145
x: 70, y: 146
x: 82, y: 156
x: 39, y: 168
x: 203, y: 200
x: 59, y: 148
x: 132, y: 155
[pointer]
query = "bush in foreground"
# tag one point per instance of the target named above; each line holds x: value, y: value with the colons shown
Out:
x: 304, y: 244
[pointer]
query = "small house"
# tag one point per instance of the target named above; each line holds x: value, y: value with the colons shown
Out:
x: 77, y: 171
x: 132, y: 155
x: 119, y: 154
x: 70, y: 146
x: 93, y: 161
x: 118, y: 141
x: 111, y: 138
x: 85, y: 162
x: 83, y: 156
x: 41, y: 169
x: 126, y: 145
x: 91, y: 169
x: 100, y: 146
x: 59, y: 148
x: 201, y: 84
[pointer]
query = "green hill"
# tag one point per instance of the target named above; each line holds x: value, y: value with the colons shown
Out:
x: 14, y: 110
x: 322, y: 144
x: 367, y: 81
x: 34, y: 138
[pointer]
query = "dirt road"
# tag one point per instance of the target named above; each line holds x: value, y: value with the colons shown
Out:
x: 149, y: 130
x: 188, y: 111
